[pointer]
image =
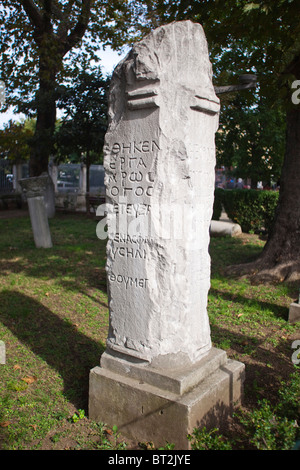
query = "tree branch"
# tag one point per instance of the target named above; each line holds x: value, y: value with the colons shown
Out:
x: 62, y: 30
x: 33, y: 13
x: 80, y: 28
x: 57, y: 11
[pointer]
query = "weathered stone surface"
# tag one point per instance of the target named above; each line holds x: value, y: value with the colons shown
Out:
x: 220, y: 228
x: 34, y: 189
x: 49, y: 196
x: 146, y: 412
x: 294, y: 313
x: 2, y: 352
x: 178, y: 380
x: 159, y: 162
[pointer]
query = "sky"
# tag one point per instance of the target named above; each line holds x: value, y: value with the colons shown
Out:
x: 109, y: 59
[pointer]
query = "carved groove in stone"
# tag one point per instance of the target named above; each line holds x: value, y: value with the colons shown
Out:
x: 206, y: 105
x: 142, y: 98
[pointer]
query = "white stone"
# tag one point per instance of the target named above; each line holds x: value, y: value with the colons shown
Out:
x: 159, y: 163
x: 2, y: 352
x: 294, y: 312
x: 35, y: 189
x: 220, y: 228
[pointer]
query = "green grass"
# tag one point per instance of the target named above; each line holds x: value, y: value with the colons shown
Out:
x: 54, y: 322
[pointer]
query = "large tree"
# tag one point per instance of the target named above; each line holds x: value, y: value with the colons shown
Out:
x: 261, y: 37
x: 250, y: 140
x: 82, y: 129
x: 14, y: 141
x: 37, y: 41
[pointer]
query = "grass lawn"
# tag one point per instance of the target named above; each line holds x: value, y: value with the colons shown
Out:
x: 54, y: 321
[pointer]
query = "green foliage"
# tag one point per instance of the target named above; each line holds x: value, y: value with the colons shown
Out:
x: 40, y: 46
x: 253, y: 210
x: 203, y: 439
x: 251, y: 139
x: 267, y: 427
x: 82, y: 129
x: 54, y: 34
x: 289, y: 395
x: 275, y: 427
x: 167, y: 446
x: 14, y: 141
x: 109, y: 438
x: 80, y: 414
x: 261, y: 36
x: 269, y: 431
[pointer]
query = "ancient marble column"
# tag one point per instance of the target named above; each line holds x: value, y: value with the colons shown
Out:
x: 159, y: 159
x: 159, y: 162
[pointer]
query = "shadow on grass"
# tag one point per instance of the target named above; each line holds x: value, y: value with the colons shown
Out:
x: 76, y: 262
x: 70, y: 353
x: 227, y: 251
x: 278, y: 310
x: 265, y: 367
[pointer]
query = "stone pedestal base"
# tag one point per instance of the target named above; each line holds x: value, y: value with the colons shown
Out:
x: 162, y: 406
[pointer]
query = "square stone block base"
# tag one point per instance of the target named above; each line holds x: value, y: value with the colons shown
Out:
x: 165, y: 406
x: 294, y: 313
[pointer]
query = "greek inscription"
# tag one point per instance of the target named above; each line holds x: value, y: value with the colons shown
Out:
x: 135, y: 177
x: 128, y: 281
x: 132, y: 209
x: 131, y: 162
x: 135, y: 238
x: 128, y: 252
x: 138, y: 191
x: 144, y: 146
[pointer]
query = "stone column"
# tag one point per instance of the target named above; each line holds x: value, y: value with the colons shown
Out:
x: 49, y: 196
x: 82, y: 179
x: 159, y: 159
x: 53, y: 172
x: 35, y: 189
x: 82, y: 196
x: 17, y: 172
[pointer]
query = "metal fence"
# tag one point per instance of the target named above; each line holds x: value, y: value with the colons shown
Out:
x: 6, y: 177
x: 69, y: 177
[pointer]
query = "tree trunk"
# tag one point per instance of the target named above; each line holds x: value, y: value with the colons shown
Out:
x: 88, y: 164
x: 45, y: 124
x: 280, y: 259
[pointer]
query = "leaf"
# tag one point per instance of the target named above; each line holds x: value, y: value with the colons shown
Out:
x: 29, y: 380
x: 17, y: 367
x: 4, y: 424
x: 251, y: 6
